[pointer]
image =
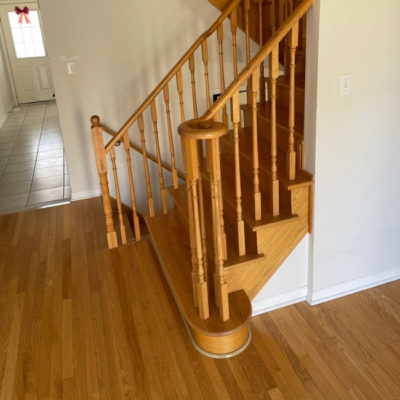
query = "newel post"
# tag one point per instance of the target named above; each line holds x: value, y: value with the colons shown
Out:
x: 101, y: 162
x: 194, y: 132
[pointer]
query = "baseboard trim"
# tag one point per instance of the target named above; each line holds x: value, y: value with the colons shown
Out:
x: 85, y: 195
x: 356, y: 285
x: 282, y: 300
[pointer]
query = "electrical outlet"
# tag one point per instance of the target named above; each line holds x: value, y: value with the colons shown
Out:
x: 71, y: 68
x: 345, y: 85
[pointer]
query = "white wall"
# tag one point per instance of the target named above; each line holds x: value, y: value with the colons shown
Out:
x: 6, y: 96
x: 121, y: 50
x: 357, y: 140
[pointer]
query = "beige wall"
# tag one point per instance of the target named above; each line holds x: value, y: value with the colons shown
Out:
x: 121, y: 53
x: 6, y: 96
x: 356, y: 146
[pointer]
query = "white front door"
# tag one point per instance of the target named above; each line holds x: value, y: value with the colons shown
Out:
x: 27, y: 53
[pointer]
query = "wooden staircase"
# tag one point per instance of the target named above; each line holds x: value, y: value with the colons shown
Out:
x: 245, y: 200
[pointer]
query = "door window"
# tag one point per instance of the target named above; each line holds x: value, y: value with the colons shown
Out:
x: 27, y: 38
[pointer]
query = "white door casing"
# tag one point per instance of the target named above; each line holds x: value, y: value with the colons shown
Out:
x: 27, y: 53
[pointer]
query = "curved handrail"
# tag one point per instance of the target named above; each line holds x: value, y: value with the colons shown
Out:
x: 263, y: 53
x: 172, y: 73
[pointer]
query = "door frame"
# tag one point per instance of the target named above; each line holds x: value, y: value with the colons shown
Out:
x: 4, y: 49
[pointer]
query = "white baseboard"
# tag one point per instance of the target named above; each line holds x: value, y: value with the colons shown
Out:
x: 282, y: 300
x: 356, y: 285
x: 85, y: 195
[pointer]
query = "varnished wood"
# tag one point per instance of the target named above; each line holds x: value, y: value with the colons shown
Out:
x: 135, y: 217
x: 264, y: 52
x: 150, y: 201
x: 238, y: 185
x: 204, y: 52
x: 220, y: 36
x: 170, y: 138
x: 256, y: 177
x: 261, y: 42
x: 192, y: 171
x: 79, y: 320
x: 291, y: 154
x: 172, y: 250
x: 234, y: 42
x: 101, y: 161
x: 117, y: 192
x: 179, y: 87
x: 149, y: 156
x: 221, y: 288
x: 193, y: 83
x: 159, y: 162
x: 274, y: 73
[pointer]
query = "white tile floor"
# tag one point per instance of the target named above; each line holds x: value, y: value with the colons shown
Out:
x: 33, y: 171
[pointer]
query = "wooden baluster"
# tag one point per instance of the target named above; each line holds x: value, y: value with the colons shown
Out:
x: 150, y: 201
x: 238, y: 185
x: 201, y: 202
x: 272, y: 16
x: 221, y: 287
x: 136, y: 225
x: 234, y: 41
x: 246, y: 4
x: 274, y: 73
x: 180, y: 93
x: 291, y: 153
x: 117, y: 193
x: 247, y: 31
x: 303, y: 32
x: 204, y: 52
x: 171, y: 141
x: 160, y: 170
x: 101, y: 163
x: 220, y: 32
x: 256, y: 172
x: 191, y: 226
x: 193, y: 82
x: 260, y: 28
x: 192, y: 173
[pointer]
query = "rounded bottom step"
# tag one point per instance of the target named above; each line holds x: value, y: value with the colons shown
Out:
x: 223, y: 346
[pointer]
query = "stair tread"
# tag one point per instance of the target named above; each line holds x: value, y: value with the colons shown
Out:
x: 173, y: 250
x: 246, y: 150
x: 264, y: 112
x: 300, y: 82
x: 233, y: 258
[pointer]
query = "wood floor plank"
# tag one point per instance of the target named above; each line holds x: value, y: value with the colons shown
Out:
x: 78, y: 321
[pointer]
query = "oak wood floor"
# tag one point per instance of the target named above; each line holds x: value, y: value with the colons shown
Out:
x: 78, y: 321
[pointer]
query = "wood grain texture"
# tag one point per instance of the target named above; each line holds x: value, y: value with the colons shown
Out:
x: 80, y: 321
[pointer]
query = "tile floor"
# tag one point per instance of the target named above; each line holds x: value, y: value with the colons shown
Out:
x: 33, y: 171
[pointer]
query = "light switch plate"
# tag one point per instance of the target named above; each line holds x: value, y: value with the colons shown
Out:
x: 345, y: 85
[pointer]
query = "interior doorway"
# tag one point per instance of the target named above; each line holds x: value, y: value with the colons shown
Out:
x: 26, y: 50
x: 33, y: 170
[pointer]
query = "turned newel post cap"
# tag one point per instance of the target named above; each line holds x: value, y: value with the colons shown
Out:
x: 200, y: 129
x: 95, y: 120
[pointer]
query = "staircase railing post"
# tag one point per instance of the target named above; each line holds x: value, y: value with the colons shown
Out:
x: 192, y: 132
x: 102, y: 169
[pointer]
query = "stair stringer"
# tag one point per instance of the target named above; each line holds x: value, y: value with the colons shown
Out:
x: 275, y: 242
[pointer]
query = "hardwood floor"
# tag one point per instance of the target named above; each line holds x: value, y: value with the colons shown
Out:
x: 79, y: 321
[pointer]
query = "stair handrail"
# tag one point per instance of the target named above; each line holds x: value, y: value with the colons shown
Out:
x: 255, y: 63
x: 227, y: 11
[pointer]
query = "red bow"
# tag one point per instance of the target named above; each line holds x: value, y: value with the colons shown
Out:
x: 22, y: 14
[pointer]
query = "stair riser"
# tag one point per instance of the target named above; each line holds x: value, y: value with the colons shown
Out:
x: 282, y: 99
x: 264, y: 131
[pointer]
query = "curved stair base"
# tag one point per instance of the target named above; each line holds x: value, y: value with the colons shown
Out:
x: 210, y: 336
